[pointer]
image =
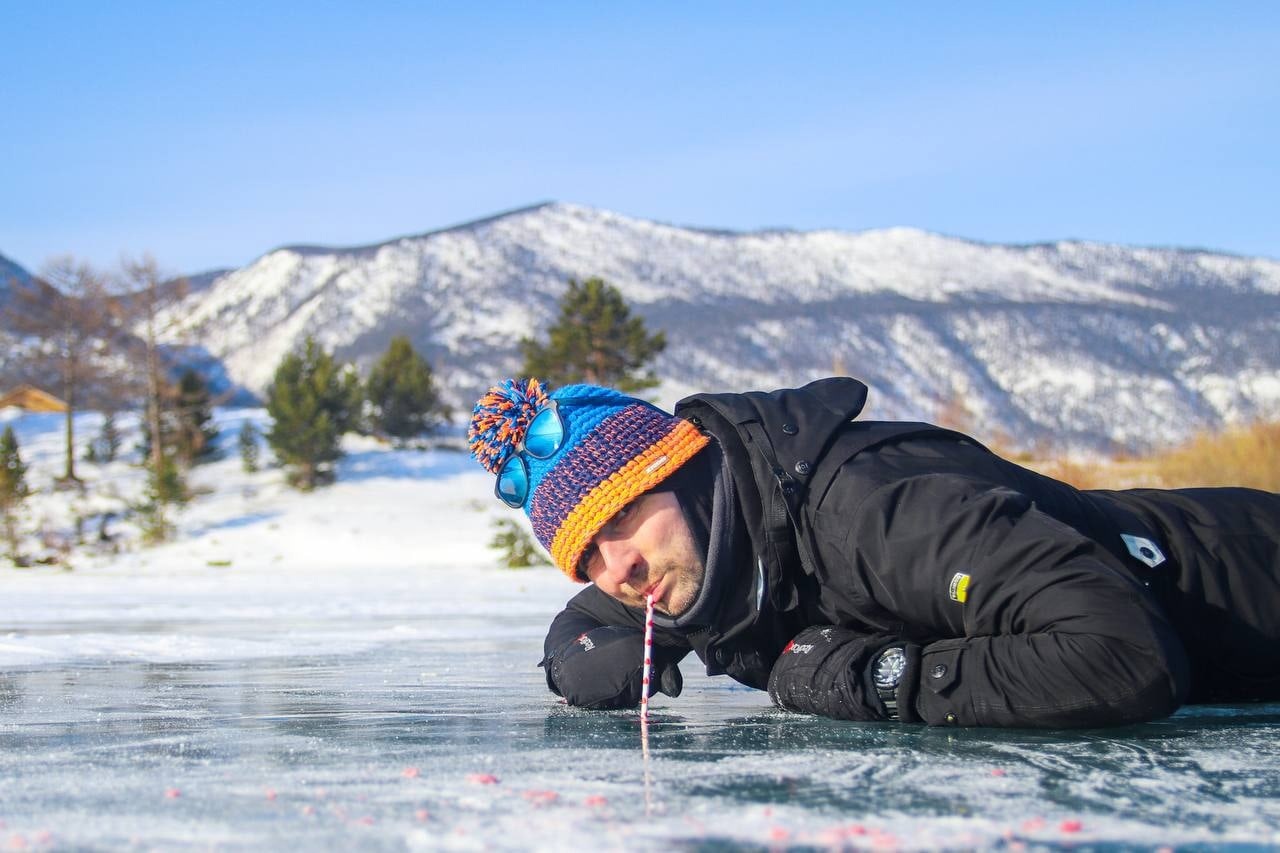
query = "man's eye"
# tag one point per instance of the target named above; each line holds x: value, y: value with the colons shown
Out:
x: 621, y: 514
x: 611, y: 526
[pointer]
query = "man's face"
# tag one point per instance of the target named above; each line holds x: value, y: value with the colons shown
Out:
x: 647, y: 548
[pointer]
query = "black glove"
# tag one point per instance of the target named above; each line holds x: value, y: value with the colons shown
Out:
x: 828, y: 671
x: 602, y: 669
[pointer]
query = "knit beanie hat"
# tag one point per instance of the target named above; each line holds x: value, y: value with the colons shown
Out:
x: 615, y: 448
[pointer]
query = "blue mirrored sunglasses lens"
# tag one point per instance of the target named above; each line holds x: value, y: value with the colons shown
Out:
x: 513, y: 483
x: 545, y: 434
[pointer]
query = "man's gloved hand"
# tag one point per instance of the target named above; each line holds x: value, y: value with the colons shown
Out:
x: 828, y: 671
x: 602, y: 669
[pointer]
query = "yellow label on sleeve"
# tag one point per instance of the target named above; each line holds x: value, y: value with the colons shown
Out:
x: 960, y: 587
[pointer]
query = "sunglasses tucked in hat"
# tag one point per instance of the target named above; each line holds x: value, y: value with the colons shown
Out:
x: 574, y: 457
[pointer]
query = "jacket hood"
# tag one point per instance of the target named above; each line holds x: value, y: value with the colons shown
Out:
x: 818, y: 409
x: 771, y: 443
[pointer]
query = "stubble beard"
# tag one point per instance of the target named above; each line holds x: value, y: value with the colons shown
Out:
x: 689, y: 574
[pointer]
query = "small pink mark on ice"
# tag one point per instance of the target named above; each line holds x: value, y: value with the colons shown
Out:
x: 365, y: 821
x: 411, y: 773
x: 482, y: 779
x: 422, y: 815
x: 1071, y: 826
x: 308, y: 810
x: 269, y: 793
x: 172, y: 793
x: 998, y: 772
x: 595, y: 801
x: 1034, y: 825
x: 17, y: 842
x: 778, y: 833
x: 541, y: 797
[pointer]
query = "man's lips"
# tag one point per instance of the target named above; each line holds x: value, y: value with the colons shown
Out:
x: 657, y: 590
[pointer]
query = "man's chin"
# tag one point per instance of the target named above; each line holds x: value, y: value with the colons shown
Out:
x: 679, y: 602
x: 679, y: 598
x: 673, y: 606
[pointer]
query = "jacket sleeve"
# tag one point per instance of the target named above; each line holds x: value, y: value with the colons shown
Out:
x: 1021, y: 620
x: 594, y: 650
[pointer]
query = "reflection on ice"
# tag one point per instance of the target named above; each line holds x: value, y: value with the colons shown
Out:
x: 380, y: 727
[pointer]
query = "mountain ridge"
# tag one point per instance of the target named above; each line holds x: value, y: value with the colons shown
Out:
x: 763, y: 231
x: 1069, y: 343
x: 316, y: 249
x: 1174, y: 339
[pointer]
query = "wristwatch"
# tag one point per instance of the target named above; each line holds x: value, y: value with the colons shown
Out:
x: 886, y: 673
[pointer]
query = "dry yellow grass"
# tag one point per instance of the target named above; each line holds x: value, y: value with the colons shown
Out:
x: 1240, y: 456
x: 1243, y: 456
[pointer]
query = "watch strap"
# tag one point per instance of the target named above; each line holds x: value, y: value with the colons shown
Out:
x: 889, y: 696
x: 888, y: 668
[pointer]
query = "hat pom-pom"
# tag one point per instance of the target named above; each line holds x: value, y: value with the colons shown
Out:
x: 501, y: 418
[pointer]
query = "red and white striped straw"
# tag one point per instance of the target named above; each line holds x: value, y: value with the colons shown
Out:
x: 648, y: 659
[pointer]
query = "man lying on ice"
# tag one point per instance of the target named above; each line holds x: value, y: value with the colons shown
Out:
x: 876, y: 570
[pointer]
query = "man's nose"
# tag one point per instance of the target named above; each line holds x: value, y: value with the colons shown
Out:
x: 620, y: 561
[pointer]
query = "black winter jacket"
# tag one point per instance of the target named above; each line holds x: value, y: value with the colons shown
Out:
x: 1022, y: 601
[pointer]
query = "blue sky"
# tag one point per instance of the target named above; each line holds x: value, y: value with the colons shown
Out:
x: 209, y: 133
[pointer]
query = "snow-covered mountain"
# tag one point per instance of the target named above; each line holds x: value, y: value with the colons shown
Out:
x: 1063, y: 344
x: 1068, y: 343
x: 11, y: 274
x: 12, y: 278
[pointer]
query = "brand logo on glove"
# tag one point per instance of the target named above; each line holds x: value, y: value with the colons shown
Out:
x: 959, y: 590
x: 800, y: 649
x: 587, y: 645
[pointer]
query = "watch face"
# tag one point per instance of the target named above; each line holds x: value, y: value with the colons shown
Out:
x: 890, y: 666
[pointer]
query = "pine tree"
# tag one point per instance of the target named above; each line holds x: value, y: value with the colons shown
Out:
x: 165, y: 488
x: 106, y: 447
x: 595, y: 339
x: 402, y: 393
x: 184, y: 422
x: 13, y: 491
x: 518, y: 549
x: 166, y: 484
x: 195, y: 435
x: 313, y: 402
x: 248, y: 442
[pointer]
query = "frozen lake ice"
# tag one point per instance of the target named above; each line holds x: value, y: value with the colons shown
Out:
x: 368, y: 710
x: 347, y: 670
